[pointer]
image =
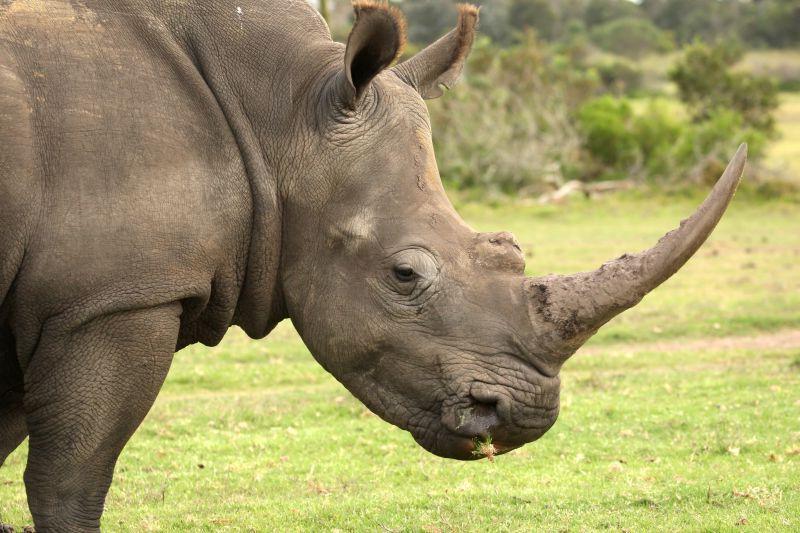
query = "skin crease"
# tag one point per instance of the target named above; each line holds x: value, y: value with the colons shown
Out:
x: 170, y: 169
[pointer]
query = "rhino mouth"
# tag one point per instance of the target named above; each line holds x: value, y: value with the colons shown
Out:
x: 510, y: 404
x: 459, y: 428
x: 451, y: 445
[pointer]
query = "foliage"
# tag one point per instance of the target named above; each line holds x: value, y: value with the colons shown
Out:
x: 620, y: 76
x: 529, y: 117
x: 599, y: 12
x: 533, y: 14
x: 608, y: 130
x: 428, y: 19
x: 508, y: 126
x: 631, y: 37
x: 707, y: 84
x: 770, y: 23
x: 691, y: 19
x: 775, y: 24
x: 653, y: 144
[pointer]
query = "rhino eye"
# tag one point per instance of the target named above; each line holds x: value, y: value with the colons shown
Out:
x: 404, y: 273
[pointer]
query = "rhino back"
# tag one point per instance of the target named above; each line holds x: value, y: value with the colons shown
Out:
x: 120, y: 176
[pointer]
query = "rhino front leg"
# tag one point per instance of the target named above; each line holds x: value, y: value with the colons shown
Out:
x: 12, y: 432
x: 87, y: 390
x: 12, y: 417
x: 12, y: 427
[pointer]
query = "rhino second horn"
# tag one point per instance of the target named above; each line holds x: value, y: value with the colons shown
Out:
x: 566, y: 310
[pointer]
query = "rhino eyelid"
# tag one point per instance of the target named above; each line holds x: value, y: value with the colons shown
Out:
x: 404, y: 273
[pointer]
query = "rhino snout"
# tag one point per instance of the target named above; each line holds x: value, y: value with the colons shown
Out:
x: 487, y: 414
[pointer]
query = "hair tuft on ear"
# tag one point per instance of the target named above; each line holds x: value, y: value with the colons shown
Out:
x: 440, y: 64
x: 394, y: 14
x: 467, y: 23
x: 375, y: 42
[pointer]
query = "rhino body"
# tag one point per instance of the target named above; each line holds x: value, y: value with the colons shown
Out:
x: 170, y: 169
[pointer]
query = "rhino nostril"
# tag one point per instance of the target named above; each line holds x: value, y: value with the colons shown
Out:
x: 483, y: 409
x: 478, y: 419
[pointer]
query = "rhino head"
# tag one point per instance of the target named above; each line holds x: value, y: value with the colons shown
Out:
x: 434, y: 326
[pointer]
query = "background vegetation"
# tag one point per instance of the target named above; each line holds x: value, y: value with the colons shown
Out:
x: 681, y: 414
x: 659, y: 92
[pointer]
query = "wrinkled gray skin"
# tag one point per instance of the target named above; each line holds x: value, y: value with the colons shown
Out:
x: 170, y: 169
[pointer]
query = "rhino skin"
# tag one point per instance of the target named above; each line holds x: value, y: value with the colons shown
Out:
x: 170, y: 169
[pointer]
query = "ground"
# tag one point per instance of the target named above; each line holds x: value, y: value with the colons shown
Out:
x: 784, y: 154
x: 683, y: 413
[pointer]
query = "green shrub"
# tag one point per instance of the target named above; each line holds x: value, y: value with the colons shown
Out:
x: 707, y: 84
x: 509, y: 124
x: 631, y: 37
x: 704, y: 147
x: 607, y: 127
x: 657, y: 130
x: 620, y: 76
x: 655, y: 145
x: 527, y: 118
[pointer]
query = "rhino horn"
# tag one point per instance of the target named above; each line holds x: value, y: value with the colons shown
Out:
x: 566, y: 310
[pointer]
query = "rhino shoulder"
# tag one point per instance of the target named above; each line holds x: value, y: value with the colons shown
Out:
x: 19, y: 193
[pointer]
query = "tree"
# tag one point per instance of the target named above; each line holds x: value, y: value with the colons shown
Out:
x: 707, y: 84
x: 631, y: 37
x: 775, y: 23
x: 538, y: 15
x: 428, y: 19
x: 602, y: 11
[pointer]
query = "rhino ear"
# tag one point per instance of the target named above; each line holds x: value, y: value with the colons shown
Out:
x: 441, y: 63
x: 377, y: 38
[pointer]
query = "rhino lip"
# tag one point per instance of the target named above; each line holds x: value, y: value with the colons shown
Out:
x: 464, y: 448
x: 477, y: 420
x: 500, y: 448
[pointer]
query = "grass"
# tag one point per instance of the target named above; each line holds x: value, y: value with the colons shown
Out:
x: 255, y: 436
x: 784, y: 154
x: 783, y: 66
x: 484, y: 448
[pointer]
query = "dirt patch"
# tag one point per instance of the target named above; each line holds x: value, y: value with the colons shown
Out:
x: 785, y: 339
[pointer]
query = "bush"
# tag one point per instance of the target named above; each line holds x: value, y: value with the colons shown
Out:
x: 620, y: 76
x: 704, y: 146
x: 601, y: 11
x: 608, y: 134
x: 657, y: 130
x: 533, y: 14
x: 654, y: 145
x: 707, y: 85
x: 631, y: 37
x: 509, y: 125
x: 527, y: 118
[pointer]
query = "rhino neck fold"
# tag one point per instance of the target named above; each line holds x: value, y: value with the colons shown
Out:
x: 260, y: 68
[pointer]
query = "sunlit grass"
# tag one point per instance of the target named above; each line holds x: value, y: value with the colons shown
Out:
x: 746, y: 278
x: 784, y: 154
x: 255, y: 436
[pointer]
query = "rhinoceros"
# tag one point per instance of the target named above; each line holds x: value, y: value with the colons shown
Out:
x: 170, y: 169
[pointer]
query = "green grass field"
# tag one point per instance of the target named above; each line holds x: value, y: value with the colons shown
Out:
x: 784, y: 154
x: 666, y: 424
